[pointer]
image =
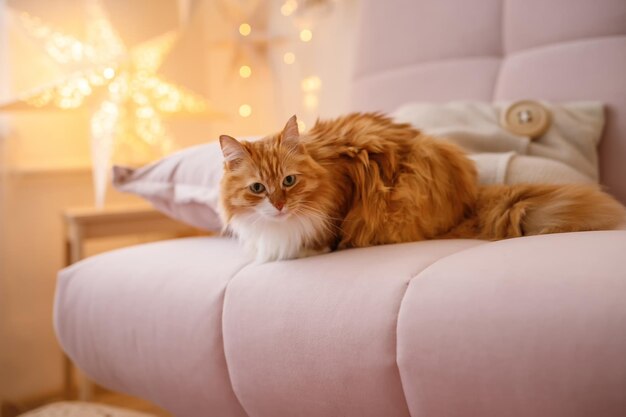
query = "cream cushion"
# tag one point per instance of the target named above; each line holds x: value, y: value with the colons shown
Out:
x: 566, y: 152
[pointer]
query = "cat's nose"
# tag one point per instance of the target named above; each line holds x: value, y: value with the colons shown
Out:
x: 279, y: 205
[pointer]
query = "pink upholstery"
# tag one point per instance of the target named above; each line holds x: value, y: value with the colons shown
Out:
x: 320, y: 332
x: 555, y: 50
x: 147, y: 321
x: 524, y: 327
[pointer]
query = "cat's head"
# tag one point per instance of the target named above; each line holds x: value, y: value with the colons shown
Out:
x: 271, y: 179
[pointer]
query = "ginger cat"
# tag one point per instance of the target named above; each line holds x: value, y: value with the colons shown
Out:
x: 363, y: 180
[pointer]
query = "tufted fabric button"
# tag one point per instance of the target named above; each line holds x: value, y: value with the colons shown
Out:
x: 526, y: 118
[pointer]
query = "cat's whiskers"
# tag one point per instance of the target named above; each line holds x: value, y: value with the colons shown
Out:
x: 325, y: 221
x: 313, y: 210
x: 258, y: 218
x: 308, y: 205
x: 254, y: 218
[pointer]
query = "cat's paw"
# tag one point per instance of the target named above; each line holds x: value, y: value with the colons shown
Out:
x: 306, y: 252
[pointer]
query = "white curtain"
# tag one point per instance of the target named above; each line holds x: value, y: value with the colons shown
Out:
x: 4, y: 95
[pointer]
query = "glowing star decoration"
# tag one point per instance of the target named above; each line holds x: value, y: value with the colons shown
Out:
x: 129, y: 98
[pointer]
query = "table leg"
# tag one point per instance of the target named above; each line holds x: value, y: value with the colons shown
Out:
x: 68, y: 383
x: 85, y: 387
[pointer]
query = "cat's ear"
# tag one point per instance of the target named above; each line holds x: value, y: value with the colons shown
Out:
x: 233, y: 151
x: 291, y: 135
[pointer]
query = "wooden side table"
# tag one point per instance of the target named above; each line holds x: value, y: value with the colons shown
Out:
x: 89, y: 223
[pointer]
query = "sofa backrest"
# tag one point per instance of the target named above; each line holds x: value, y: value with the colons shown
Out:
x: 494, y: 50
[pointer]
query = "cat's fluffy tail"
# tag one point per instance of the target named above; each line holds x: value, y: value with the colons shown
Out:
x: 504, y: 211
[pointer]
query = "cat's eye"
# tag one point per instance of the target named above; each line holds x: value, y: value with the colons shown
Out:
x: 257, y: 188
x: 289, y: 180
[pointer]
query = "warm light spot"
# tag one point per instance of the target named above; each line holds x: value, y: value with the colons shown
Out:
x: 68, y: 103
x: 77, y: 51
x: 306, y: 35
x: 245, y: 29
x: 139, y: 98
x: 245, y: 110
x: 289, y: 7
x: 109, y: 73
x: 310, y: 101
x: 162, y: 89
x: 301, y: 126
x: 117, y: 88
x: 289, y: 58
x: 83, y: 86
x: 66, y: 90
x: 145, y: 112
x: 310, y: 84
x: 245, y: 71
x: 95, y: 78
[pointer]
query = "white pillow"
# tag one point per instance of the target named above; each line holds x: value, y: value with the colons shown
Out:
x: 184, y: 185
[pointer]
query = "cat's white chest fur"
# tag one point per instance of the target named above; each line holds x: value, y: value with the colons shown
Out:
x: 272, y: 239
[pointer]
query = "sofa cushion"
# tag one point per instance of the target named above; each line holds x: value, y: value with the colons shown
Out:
x: 151, y: 320
x: 565, y: 152
x: 521, y: 327
x: 147, y: 320
x: 528, y: 326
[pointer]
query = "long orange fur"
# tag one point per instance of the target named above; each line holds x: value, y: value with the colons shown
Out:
x: 369, y: 181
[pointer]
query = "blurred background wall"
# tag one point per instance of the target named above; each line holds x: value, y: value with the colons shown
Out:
x: 45, y: 157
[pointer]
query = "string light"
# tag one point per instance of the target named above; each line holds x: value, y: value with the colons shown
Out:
x: 310, y: 101
x: 306, y: 35
x: 108, y: 73
x: 311, y: 84
x: 289, y: 7
x: 245, y: 29
x: 245, y: 110
x: 289, y: 58
x: 245, y: 71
